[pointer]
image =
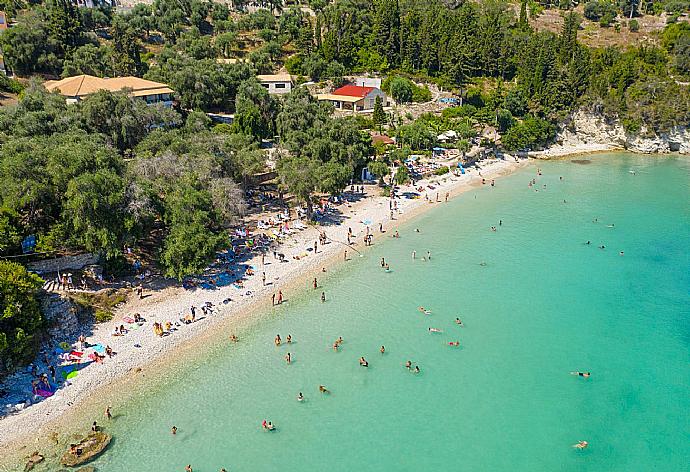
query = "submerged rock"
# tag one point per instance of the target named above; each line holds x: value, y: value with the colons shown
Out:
x: 35, y: 458
x: 89, y: 447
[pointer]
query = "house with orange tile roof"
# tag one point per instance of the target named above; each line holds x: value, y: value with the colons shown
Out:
x: 353, y: 97
x: 76, y: 88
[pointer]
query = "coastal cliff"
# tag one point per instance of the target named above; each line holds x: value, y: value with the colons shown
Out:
x: 588, y: 131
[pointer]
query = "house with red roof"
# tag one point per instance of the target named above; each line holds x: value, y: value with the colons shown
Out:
x: 353, y: 97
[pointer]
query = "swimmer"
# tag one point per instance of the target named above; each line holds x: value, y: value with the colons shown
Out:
x: 588, y: 243
x: 408, y: 365
x: 383, y: 262
x: 582, y: 374
x: 388, y: 269
x: 458, y: 322
x: 383, y: 350
x: 416, y: 369
x: 602, y: 247
x: 581, y: 445
x: 482, y: 263
x: 335, y: 346
x: 174, y: 430
x: 621, y: 253
x: 289, y: 339
x: 188, y: 468
x: 234, y: 338
x: 108, y: 414
x: 288, y: 358
x: 435, y: 330
x: 363, y: 362
x: 454, y: 343
x: 323, y: 297
x: 339, y: 340
x: 416, y: 230
x: 610, y: 226
x: 277, y: 340
x: 414, y: 255
x: 323, y: 389
x: 300, y: 397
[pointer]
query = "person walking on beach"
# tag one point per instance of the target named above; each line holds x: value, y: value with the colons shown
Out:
x: 345, y: 255
x: 263, y: 278
x: 273, y: 299
x: 280, y: 297
x: 315, y: 284
x: 447, y: 194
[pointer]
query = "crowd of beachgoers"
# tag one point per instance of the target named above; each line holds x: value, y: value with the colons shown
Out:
x: 262, y: 267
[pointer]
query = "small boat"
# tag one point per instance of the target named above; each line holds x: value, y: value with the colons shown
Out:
x: 87, y: 449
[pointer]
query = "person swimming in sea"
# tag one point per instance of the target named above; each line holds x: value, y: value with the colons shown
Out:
x: 288, y: 358
x: 458, y: 322
x: 408, y: 365
x: 323, y: 389
x: 581, y: 445
x: 454, y: 343
x: 582, y: 374
x: 289, y: 339
x: 277, y: 340
x: 602, y: 247
x: 300, y: 397
x: 435, y: 330
x: 174, y: 430
x: 383, y: 350
x: 416, y: 369
x: 363, y: 362
x: 588, y: 243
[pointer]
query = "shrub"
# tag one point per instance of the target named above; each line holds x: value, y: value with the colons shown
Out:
x: 102, y: 316
x: 442, y: 170
x: 20, y: 314
x: 634, y: 26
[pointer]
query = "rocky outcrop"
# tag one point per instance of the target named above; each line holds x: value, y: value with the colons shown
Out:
x: 86, y: 449
x: 590, y: 131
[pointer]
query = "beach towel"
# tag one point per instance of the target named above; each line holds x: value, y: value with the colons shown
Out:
x: 128, y: 319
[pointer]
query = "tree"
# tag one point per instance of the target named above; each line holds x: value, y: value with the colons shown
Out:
x: 401, y: 89
x: 188, y: 248
x: 299, y: 175
x: 255, y: 110
x: 402, y: 175
x: 379, y: 169
x: 379, y: 116
x: 20, y: 314
x: 95, y: 212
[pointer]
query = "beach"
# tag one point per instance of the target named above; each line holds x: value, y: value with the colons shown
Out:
x: 140, y: 350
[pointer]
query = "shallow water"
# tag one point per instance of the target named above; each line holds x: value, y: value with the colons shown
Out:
x: 543, y: 305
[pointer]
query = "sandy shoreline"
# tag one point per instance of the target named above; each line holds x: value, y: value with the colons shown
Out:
x: 73, y: 407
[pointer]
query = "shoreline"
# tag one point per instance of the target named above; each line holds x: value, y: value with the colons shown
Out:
x: 72, y: 408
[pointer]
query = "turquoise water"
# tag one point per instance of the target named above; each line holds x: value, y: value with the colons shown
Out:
x: 543, y: 305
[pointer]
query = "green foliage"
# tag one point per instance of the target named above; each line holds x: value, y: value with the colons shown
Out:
x: 379, y: 169
x: 442, y: 170
x: 400, y: 89
x: 529, y: 134
x: 595, y: 10
x: 379, y: 116
x: 20, y: 314
x: 101, y: 316
x: 402, y: 175
x: 634, y: 26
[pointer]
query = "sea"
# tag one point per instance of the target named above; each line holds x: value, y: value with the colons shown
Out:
x: 587, y: 270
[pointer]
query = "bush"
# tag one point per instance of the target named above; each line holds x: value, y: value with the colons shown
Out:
x: 420, y: 94
x: 442, y: 170
x: 531, y: 133
x: 20, y: 315
x: 634, y: 26
x: 459, y: 112
x: 103, y: 315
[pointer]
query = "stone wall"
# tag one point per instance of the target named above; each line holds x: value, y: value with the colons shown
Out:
x: 76, y: 262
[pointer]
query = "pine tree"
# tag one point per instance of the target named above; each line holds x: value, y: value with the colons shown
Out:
x: 523, y: 23
x: 379, y: 116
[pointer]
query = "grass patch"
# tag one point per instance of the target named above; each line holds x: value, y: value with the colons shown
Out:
x: 101, y: 303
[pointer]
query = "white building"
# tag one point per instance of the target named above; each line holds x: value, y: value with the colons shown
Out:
x: 276, y: 84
